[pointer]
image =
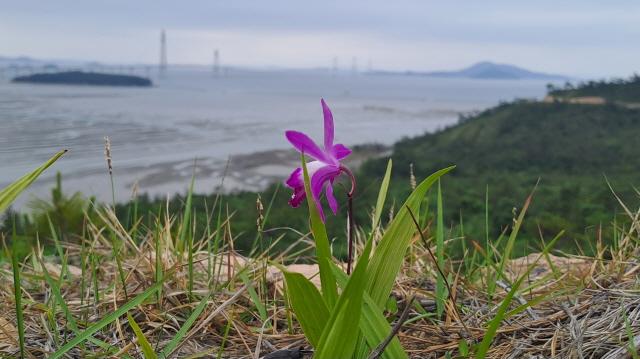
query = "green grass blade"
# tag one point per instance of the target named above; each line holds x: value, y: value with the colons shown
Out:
x: 308, y: 305
x: 17, y: 290
x: 382, y: 195
x: 373, y: 325
x: 340, y: 335
x: 501, y: 314
x: 512, y: 237
x: 186, y: 217
x: 10, y: 193
x: 139, y: 299
x: 441, y: 290
x: 147, y: 350
x: 262, y: 310
x: 57, y: 293
x: 56, y: 241
x: 323, y: 250
x: 389, y: 254
x: 173, y: 344
x: 224, y: 340
x: 632, y: 347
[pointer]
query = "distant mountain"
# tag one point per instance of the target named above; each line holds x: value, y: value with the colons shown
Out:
x: 490, y: 70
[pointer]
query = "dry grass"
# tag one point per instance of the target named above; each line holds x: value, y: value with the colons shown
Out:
x: 572, y: 307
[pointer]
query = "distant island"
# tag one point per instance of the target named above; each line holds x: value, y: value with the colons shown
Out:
x: 484, y: 70
x: 84, y: 78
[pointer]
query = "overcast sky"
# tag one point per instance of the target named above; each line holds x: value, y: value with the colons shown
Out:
x: 573, y: 37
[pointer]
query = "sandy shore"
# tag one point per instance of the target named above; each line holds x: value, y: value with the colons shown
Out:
x: 247, y: 172
x: 251, y: 172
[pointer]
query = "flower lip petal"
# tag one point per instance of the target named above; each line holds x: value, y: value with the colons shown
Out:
x: 340, y: 151
x: 322, y: 175
x: 325, y: 174
x: 306, y: 145
x: 328, y: 126
x: 297, y: 197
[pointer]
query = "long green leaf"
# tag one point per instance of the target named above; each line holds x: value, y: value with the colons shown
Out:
x: 389, y: 254
x: 307, y: 303
x: 10, y: 193
x: 340, y: 335
x: 105, y: 321
x: 147, y: 350
x: 323, y: 250
x: 373, y: 325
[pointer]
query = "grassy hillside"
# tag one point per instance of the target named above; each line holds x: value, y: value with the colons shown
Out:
x: 507, y: 148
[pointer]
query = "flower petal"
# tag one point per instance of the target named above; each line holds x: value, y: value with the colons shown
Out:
x: 295, y: 179
x: 333, y: 204
x: 340, y: 151
x: 305, y: 145
x: 296, y: 182
x: 297, y: 197
x: 322, y: 175
x: 328, y: 126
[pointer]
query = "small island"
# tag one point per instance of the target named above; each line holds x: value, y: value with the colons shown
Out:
x: 84, y: 78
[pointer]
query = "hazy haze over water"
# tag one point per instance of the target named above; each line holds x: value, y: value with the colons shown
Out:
x: 191, y: 113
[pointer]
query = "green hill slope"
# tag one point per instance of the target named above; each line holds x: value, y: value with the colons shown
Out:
x: 569, y: 147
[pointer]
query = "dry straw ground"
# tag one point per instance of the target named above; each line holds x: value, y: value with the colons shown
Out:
x: 566, y: 307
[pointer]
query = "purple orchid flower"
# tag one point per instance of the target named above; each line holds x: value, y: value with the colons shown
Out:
x: 323, y: 170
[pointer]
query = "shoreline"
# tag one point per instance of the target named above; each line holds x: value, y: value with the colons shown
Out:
x: 243, y: 172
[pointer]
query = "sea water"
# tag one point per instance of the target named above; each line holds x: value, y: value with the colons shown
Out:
x: 192, y: 113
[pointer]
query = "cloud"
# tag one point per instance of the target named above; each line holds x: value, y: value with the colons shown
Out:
x: 572, y: 37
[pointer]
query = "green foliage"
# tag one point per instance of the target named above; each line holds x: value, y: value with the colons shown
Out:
x: 306, y: 301
x: 10, y: 193
x: 87, y: 333
x: 7, y: 196
x: 17, y: 295
x: 340, y: 335
x: 147, y: 350
x: 323, y: 251
x: 502, y: 312
x: 184, y: 329
x: 373, y: 325
x: 389, y: 254
x: 66, y: 213
x: 335, y: 328
x: 509, y: 148
x: 441, y: 290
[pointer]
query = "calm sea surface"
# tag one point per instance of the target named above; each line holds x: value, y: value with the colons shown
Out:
x: 192, y: 114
